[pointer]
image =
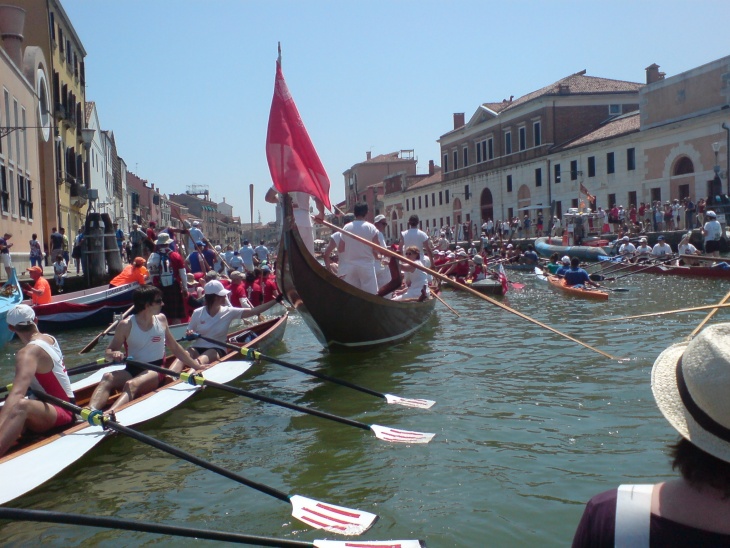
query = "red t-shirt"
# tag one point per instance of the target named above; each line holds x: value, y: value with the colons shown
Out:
x: 270, y: 289
x: 254, y: 293
x: 238, y: 292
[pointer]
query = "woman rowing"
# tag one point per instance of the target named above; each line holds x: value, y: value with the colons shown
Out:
x: 416, y: 279
x: 145, y: 334
x: 213, y: 321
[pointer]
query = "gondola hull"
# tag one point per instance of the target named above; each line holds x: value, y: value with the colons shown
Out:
x: 342, y: 317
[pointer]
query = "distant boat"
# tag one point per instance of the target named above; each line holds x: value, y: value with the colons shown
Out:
x: 10, y: 295
x: 88, y: 308
x: 340, y: 315
x: 547, y: 246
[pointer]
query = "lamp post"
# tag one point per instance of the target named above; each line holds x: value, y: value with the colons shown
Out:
x: 727, y: 155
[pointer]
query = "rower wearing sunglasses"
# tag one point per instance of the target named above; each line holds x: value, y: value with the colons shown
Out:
x: 145, y: 333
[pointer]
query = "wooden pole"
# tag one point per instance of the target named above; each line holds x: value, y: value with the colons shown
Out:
x: 386, y: 251
x: 707, y: 318
x: 677, y: 311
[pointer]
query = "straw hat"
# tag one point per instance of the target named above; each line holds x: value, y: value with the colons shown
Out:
x: 478, y: 259
x: 690, y: 382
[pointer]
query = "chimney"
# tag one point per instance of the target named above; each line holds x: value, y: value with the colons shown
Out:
x: 12, y: 20
x: 430, y: 167
x: 653, y: 74
x: 458, y: 120
x: 368, y: 155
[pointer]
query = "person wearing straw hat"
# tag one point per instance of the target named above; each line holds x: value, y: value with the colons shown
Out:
x: 38, y: 366
x: 167, y: 271
x: 690, y: 382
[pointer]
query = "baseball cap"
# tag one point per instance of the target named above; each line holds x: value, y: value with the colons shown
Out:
x: 214, y: 287
x: 22, y: 314
x: 379, y: 219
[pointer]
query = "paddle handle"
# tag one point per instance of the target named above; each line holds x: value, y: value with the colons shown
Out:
x: 89, y: 347
x: 106, y: 422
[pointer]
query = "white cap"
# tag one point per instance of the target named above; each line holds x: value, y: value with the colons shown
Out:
x: 378, y: 219
x: 565, y: 259
x: 196, y: 223
x: 214, y: 287
x: 711, y: 214
x: 22, y: 314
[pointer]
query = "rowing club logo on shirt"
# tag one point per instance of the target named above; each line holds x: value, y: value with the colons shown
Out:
x: 156, y: 339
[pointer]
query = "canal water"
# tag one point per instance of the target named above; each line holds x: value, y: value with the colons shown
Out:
x: 528, y: 427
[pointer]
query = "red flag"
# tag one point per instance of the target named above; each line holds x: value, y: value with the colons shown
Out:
x: 293, y: 162
x: 503, y: 279
x: 584, y: 190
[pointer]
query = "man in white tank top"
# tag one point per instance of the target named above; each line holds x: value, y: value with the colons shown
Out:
x: 145, y: 334
x: 39, y: 366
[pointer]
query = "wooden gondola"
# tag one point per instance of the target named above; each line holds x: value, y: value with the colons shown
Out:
x: 37, y: 458
x: 342, y: 317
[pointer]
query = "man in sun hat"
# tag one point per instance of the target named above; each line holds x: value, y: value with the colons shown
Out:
x: 690, y: 382
x: 38, y: 366
x: 712, y: 232
x: 627, y: 249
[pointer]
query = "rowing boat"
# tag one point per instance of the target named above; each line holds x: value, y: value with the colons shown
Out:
x: 583, y: 292
x: 518, y: 267
x: 87, y: 308
x: 540, y: 275
x: 10, y: 295
x: 35, y: 460
x: 341, y: 316
x: 487, y: 286
x: 685, y: 271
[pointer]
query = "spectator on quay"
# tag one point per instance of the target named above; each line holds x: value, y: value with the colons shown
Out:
x: 701, y: 206
x: 59, y: 269
x: 66, y: 256
x: 76, y: 252
x: 668, y: 216
x: 689, y: 213
x: 137, y: 237
x: 527, y: 224
x: 690, y: 383
x: 539, y: 225
x: 5, y: 257
x: 119, y: 236
x: 56, y: 242
x: 658, y: 217
x: 677, y: 213
x: 36, y: 253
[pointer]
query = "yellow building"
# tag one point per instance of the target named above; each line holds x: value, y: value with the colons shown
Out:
x: 65, y: 174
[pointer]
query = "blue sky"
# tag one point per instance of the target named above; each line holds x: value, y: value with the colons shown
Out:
x: 186, y: 85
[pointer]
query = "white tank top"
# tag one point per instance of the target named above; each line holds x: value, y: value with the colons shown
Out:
x: 146, y: 346
x: 56, y: 382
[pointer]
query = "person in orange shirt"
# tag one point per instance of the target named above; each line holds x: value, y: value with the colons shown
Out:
x: 40, y: 293
x: 135, y: 272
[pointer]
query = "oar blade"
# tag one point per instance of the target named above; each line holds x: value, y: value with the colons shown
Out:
x: 369, y: 544
x: 394, y: 435
x: 408, y: 402
x: 335, y: 519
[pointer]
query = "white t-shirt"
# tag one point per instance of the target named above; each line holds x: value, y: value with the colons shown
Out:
x: 354, y: 251
x: 215, y: 327
x: 196, y: 235
x: 686, y: 249
x: 661, y: 249
x: 643, y: 249
x: 414, y: 236
x: 627, y: 249
x: 714, y: 230
x: 246, y: 253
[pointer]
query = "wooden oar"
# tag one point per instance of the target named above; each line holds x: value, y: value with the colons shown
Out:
x: 384, y: 433
x: 655, y: 262
x: 335, y: 519
x: 435, y: 274
x: 46, y: 516
x: 707, y: 318
x: 89, y: 347
x: 677, y: 311
x: 443, y: 302
x: 252, y: 354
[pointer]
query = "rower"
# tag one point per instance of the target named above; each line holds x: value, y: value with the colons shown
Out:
x: 213, y: 321
x: 575, y: 276
x: 417, y: 237
x: 38, y: 366
x: 685, y: 247
x: 643, y: 252
x: 565, y: 266
x: 627, y: 249
x: 661, y: 249
x: 357, y: 260
x: 530, y: 257
x: 554, y: 264
x: 145, y: 334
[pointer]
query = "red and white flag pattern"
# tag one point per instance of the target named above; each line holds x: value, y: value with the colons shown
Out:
x: 335, y: 519
x: 503, y: 279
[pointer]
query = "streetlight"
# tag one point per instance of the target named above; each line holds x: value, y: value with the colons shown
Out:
x: 716, y: 167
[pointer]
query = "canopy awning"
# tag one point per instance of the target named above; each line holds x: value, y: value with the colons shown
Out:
x: 530, y: 208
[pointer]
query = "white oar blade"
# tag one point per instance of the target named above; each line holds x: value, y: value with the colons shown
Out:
x: 393, y: 435
x: 335, y: 519
x: 369, y: 544
x: 408, y: 402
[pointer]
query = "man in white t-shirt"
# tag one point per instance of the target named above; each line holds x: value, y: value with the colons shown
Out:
x: 357, y: 260
x: 382, y: 271
x: 195, y: 235
x: 415, y: 236
x: 627, y: 249
x: 662, y: 249
x: 262, y: 252
x: 246, y: 253
x: 712, y: 231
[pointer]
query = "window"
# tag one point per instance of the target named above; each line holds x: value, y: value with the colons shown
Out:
x: 447, y: 195
x: 684, y: 166
x: 481, y: 151
x: 610, y: 163
x: 441, y: 198
x: 456, y: 160
x: 574, y: 202
x: 426, y: 199
x: 25, y: 198
x: 632, y: 199
x: 490, y: 149
x: 556, y: 171
x: 537, y: 134
x: 510, y: 213
x: 433, y: 200
x: 509, y: 185
x: 413, y: 204
x: 407, y: 205
x: 4, y: 193
x: 611, y: 200
x: 466, y: 192
x: 630, y: 159
x: 446, y: 163
x: 508, y: 143
x: 538, y: 176
x: 614, y: 110
x: 574, y: 170
x: 523, y: 138
x: 656, y: 194
x: 448, y: 221
x: 591, y: 166
x: 466, y: 156
x: 419, y: 202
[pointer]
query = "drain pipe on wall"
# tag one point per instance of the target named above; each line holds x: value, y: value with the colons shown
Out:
x: 727, y: 156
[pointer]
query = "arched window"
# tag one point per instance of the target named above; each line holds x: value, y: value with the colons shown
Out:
x: 683, y: 166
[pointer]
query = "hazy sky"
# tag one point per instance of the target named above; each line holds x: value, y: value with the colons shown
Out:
x: 186, y: 85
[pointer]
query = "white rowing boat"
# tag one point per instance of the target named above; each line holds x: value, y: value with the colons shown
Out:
x: 30, y: 466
